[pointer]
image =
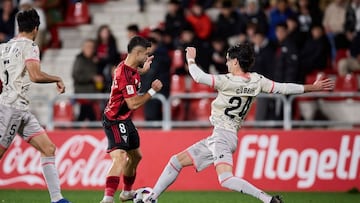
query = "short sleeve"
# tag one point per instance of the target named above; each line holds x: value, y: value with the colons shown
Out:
x: 31, y: 52
x: 129, y: 91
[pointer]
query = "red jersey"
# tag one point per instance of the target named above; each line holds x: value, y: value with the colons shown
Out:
x: 126, y: 83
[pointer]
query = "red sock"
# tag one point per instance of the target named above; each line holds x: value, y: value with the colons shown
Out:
x: 128, y: 182
x: 112, y: 183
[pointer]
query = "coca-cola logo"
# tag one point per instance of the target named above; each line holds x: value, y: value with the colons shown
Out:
x: 80, y: 160
x: 307, y: 165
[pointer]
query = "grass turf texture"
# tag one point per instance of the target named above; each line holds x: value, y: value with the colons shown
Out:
x: 41, y: 196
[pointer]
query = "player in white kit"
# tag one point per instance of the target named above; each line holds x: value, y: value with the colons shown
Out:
x: 20, y: 65
x: 236, y: 92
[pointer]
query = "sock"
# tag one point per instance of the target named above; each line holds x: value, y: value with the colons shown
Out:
x: 111, y: 185
x: 128, y: 182
x: 51, y: 178
x: 167, y: 177
x: 231, y: 182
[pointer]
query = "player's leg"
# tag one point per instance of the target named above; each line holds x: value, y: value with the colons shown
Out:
x: 44, y: 145
x: 9, y: 124
x: 34, y: 134
x: 224, y: 143
x: 129, y: 174
x: 171, y: 172
x: 118, y: 157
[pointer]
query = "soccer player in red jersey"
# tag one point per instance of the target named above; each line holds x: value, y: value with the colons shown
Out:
x: 123, y: 138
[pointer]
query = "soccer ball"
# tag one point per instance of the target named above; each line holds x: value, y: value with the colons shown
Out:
x: 142, y: 194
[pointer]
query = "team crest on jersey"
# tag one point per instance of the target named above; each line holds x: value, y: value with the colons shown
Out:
x: 130, y: 89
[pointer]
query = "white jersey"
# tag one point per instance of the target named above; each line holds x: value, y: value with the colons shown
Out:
x: 236, y: 94
x: 234, y: 99
x: 14, y: 76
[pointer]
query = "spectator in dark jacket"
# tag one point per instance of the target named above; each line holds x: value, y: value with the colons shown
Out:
x: 264, y: 54
x: 229, y: 22
x: 316, y: 53
x: 86, y: 79
x: 160, y: 69
x: 175, y: 19
x: 253, y: 14
x: 7, y: 21
x: 286, y: 58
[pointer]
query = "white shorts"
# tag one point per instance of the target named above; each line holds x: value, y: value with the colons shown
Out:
x: 215, y: 149
x: 13, y: 121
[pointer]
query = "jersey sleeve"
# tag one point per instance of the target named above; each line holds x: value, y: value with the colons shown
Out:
x: 31, y: 52
x: 200, y: 76
x: 127, y: 89
x: 269, y: 86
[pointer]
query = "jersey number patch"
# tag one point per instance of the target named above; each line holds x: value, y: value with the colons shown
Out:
x: 237, y: 101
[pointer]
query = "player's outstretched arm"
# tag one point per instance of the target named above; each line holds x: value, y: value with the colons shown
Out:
x: 320, y: 84
x: 196, y: 73
x: 139, y: 100
x: 37, y: 76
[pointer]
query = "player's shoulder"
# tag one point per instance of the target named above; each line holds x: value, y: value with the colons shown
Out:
x: 255, y: 76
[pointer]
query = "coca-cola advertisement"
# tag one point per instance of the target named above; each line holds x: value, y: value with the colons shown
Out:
x: 274, y: 160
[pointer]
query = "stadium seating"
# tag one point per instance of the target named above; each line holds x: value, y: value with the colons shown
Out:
x: 177, y: 60
x: 76, y: 14
x: 341, y: 108
x: 96, y: 1
x: 63, y: 111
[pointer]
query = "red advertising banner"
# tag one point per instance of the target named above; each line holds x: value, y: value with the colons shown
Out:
x: 273, y: 160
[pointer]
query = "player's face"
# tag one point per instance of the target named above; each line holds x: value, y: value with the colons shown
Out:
x: 230, y: 63
x: 141, y: 55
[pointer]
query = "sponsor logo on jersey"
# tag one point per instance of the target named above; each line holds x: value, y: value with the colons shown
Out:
x: 130, y: 89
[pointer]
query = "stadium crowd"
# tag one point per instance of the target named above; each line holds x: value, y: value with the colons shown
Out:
x: 294, y: 40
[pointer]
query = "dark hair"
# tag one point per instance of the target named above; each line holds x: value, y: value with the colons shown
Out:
x: 282, y: 25
x: 28, y: 20
x: 111, y: 39
x: 133, y: 28
x: 244, y: 53
x: 138, y: 41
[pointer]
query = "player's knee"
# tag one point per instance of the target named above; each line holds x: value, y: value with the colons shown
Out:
x: 225, y: 179
x: 174, y: 162
x: 49, y: 150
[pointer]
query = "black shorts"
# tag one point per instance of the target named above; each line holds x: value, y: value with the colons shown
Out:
x: 121, y: 134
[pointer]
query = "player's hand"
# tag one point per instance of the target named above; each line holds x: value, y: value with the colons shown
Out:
x: 322, y: 84
x: 146, y: 66
x: 190, y: 53
x: 60, y: 87
x: 156, y: 85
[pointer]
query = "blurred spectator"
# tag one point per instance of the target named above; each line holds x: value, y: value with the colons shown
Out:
x: 142, y: 5
x: 286, y: 58
x: 86, y: 79
x: 37, y: 5
x: 7, y: 20
x: 334, y: 21
x: 253, y: 14
x: 229, y: 22
x: 351, y: 63
x: 278, y: 15
x: 200, y: 21
x: 132, y: 30
x: 308, y: 14
x: 55, y: 13
x: 106, y: 49
x: 264, y: 54
x: 316, y: 53
x: 294, y: 33
x: 218, y: 56
x: 160, y: 69
x: 189, y: 39
x: 175, y: 19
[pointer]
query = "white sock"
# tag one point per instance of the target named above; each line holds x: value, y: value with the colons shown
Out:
x: 231, y: 182
x: 51, y: 177
x: 108, y: 199
x: 167, y: 177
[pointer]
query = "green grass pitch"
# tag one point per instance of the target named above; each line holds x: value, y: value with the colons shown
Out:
x: 41, y: 196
